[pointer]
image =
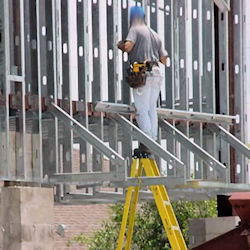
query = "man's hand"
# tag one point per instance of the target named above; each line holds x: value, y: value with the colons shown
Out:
x: 121, y: 45
x: 163, y: 60
x: 126, y: 46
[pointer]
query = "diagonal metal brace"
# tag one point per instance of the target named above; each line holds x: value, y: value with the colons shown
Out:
x: 86, y: 135
x: 200, y: 152
x: 231, y: 139
x: 223, y: 5
x: 145, y: 139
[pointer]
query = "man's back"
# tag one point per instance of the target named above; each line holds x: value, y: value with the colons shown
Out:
x: 147, y: 44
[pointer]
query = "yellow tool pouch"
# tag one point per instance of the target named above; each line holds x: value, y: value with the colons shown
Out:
x: 136, y: 75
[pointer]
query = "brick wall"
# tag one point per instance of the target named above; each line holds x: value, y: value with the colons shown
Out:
x: 78, y: 219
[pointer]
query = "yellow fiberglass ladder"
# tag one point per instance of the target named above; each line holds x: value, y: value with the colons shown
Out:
x: 163, y: 204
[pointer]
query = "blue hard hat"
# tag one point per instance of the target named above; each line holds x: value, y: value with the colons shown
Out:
x: 136, y: 12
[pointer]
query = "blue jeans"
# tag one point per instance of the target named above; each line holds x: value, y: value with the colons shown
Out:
x: 146, y: 102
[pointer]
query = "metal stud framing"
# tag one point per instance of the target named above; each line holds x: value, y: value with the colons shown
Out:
x: 36, y: 71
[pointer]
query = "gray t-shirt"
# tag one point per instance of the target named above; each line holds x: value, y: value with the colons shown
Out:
x: 147, y: 44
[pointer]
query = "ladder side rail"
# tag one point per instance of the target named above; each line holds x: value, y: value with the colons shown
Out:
x: 126, y: 209
x: 133, y: 209
x: 166, y: 212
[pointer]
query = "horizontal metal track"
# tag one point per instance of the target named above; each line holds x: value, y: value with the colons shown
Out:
x: 168, y: 181
x: 227, y: 187
x: 84, y: 178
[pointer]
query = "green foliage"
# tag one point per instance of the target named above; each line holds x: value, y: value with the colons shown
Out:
x: 148, y: 229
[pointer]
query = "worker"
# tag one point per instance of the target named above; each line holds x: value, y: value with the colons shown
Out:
x: 144, y: 44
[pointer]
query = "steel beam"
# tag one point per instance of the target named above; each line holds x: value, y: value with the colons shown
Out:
x: 145, y: 139
x: 193, y: 147
x: 85, y: 134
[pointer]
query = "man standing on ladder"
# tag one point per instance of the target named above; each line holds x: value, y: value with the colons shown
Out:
x: 144, y: 46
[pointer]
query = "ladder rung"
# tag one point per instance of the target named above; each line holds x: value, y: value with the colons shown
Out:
x: 167, y: 203
x: 175, y: 228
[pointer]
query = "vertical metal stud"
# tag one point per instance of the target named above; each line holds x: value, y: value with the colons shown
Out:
x: 169, y: 10
x: 41, y: 73
x: 22, y: 172
x: 126, y: 94
x: 112, y: 58
x: 180, y: 71
x: 238, y: 8
x: 224, y: 85
x: 196, y: 73
x: 5, y: 49
x: 96, y: 84
x: 208, y: 78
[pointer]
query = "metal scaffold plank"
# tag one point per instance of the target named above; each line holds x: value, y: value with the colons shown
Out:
x: 169, y: 113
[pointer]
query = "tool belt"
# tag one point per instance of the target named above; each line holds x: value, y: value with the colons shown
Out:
x: 137, y: 73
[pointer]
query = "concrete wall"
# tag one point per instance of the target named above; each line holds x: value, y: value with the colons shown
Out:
x: 202, y: 230
x: 26, y: 218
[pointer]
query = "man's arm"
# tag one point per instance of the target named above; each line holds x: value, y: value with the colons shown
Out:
x: 126, y: 46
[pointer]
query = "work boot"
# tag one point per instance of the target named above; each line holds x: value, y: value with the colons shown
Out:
x: 145, y: 149
x: 143, y: 152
